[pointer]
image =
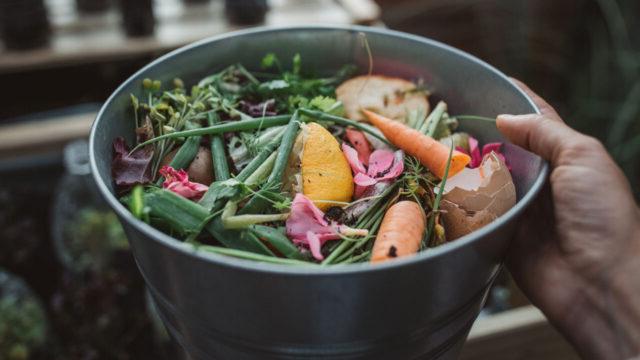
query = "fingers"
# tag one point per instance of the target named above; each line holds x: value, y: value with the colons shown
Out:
x: 546, y: 109
x: 538, y: 134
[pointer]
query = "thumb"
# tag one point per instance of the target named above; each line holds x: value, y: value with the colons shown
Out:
x: 539, y: 134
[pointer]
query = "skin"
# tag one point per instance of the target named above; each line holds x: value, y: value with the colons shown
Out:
x: 577, y: 254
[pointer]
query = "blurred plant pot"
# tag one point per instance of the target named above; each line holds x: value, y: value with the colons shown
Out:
x: 24, y: 24
x: 92, y: 6
x: 23, y: 321
x: 137, y: 17
x: 86, y: 234
x: 246, y: 12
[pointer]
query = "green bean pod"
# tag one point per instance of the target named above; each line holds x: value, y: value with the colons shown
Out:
x: 278, y: 239
x: 185, y: 217
x: 220, y: 166
x: 231, y: 126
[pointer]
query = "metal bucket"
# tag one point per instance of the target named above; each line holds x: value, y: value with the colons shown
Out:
x: 420, y: 307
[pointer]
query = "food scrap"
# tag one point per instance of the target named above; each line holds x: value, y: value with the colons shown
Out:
x: 300, y: 169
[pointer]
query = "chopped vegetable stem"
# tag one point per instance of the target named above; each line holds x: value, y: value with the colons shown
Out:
x: 218, y: 156
x: 244, y: 221
x: 284, y: 150
x: 322, y: 116
x: 263, y: 171
x: 436, y: 203
x: 430, y: 123
x: 231, y: 126
x: 251, y: 256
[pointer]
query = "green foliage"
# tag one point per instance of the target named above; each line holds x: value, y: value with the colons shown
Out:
x: 22, y: 320
x: 94, y: 236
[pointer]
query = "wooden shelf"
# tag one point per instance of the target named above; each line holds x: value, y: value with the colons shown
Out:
x: 99, y: 38
x: 519, y: 334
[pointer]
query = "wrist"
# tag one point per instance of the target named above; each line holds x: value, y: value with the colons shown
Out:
x: 603, y: 321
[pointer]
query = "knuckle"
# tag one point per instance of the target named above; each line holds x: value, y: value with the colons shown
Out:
x: 581, y: 147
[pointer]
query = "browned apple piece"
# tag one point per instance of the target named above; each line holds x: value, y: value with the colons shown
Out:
x: 388, y: 96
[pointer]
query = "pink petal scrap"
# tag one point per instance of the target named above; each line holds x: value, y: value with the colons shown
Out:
x: 384, y: 165
x: 307, y: 226
x: 477, y: 155
x: 178, y: 182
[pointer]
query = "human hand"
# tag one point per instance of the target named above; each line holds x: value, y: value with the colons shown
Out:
x: 577, y: 252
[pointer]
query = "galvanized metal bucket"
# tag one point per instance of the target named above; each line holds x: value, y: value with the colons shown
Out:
x: 420, y: 307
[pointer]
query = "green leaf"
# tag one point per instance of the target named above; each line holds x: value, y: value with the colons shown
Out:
x: 327, y: 104
x: 297, y: 64
x: 269, y: 61
x: 274, y: 85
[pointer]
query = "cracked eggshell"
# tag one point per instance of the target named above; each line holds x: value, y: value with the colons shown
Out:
x: 475, y: 197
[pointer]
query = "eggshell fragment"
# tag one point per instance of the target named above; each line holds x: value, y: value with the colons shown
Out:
x: 476, y: 197
x: 388, y: 96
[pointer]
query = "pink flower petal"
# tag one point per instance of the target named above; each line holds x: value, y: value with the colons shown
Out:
x: 306, y: 226
x: 379, y: 162
x: 489, y: 147
x: 496, y: 148
x: 315, y: 244
x: 462, y: 150
x: 359, y: 191
x: 474, y: 151
x: 396, y: 168
x: 352, y: 158
x: 364, y: 180
x: 360, y: 143
x: 178, y: 182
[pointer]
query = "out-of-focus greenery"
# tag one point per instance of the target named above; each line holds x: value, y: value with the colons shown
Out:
x: 22, y: 320
x: 605, y: 93
x: 92, y: 238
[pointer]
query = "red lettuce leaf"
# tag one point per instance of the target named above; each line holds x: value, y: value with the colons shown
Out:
x: 130, y: 169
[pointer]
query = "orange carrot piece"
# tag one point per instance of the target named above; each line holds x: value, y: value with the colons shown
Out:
x: 430, y: 152
x: 360, y: 143
x: 400, y: 233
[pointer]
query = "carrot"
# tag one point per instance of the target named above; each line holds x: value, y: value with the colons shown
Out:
x: 360, y: 143
x: 430, y: 152
x: 400, y: 233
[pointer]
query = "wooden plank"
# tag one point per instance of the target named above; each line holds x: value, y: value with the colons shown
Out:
x: 520, y: 334
x: 45, y: 135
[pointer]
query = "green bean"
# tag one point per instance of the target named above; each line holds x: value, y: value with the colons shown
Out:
x: 322, y: 116
x: 251, y: 256
x: 278, y: 239
x: 434, y: 117
x: 185, y: 217
x: 436, y: 202
x: 284, y: 150
x: 212, y: 198
x: 259, y: 202
x: 263, y: 171
x: 262, y: 156
x: 220, y: 166
x: 230, y: 126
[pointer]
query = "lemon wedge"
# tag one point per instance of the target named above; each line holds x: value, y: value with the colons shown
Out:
x: 325, y: 175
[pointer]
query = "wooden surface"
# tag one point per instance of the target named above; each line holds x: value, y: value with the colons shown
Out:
x: 82, y: 39
x: 520, y: 334
x: 43, y: 136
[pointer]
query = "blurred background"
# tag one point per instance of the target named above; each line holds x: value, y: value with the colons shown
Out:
x: 69, y: 288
